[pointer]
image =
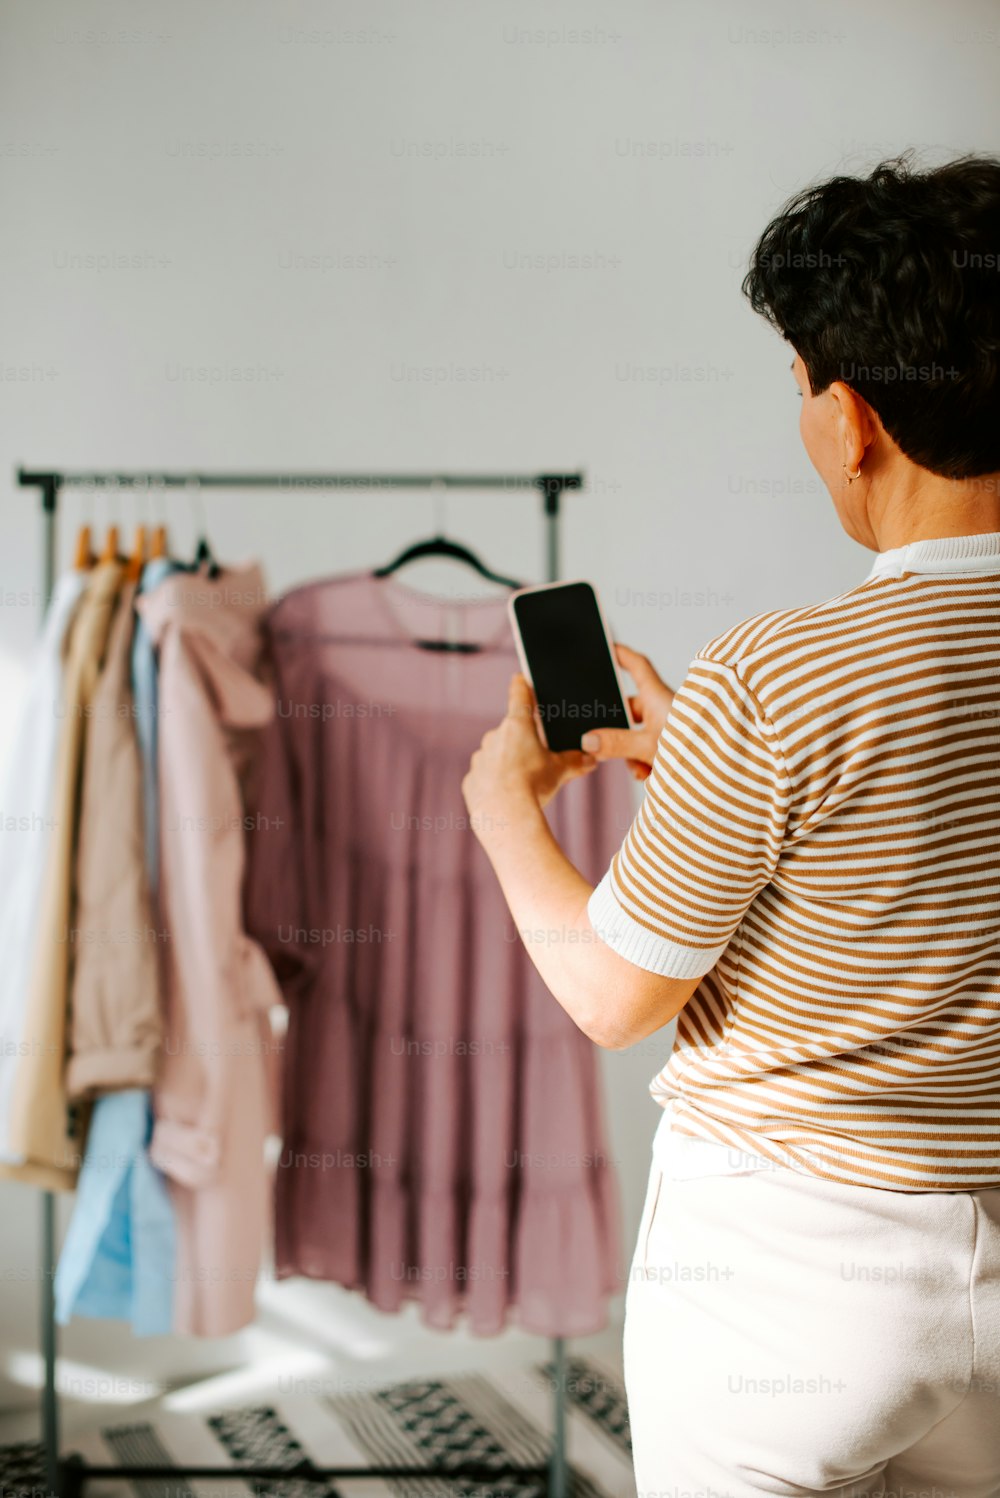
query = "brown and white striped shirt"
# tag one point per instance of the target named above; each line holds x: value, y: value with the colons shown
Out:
x: 820, y: 838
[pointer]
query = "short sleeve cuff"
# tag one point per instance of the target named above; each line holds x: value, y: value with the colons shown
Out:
x: 645, y: 948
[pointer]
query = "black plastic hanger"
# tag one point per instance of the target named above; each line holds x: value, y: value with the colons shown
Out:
x: 440, y: 546
x: 203, y: 555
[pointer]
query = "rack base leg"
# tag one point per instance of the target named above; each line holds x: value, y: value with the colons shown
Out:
x: 558, y: 1474
x: 71, y: 1477
x: 50, y: 1409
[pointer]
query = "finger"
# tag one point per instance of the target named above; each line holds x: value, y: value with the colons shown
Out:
x: 640, y: 770
x: 573, y: 763
x: 639, y: 667
x: 612, y: 743
x: 520, y: 698
x: 635, y: 704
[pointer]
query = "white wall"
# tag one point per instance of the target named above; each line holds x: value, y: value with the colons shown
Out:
x: 242, y: 151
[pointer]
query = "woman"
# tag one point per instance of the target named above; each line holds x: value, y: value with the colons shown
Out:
x: 810, y: 886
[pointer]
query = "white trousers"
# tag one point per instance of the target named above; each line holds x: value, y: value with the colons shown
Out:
x: 787, y: 1335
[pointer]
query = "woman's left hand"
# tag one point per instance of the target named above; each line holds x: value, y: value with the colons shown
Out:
x: 512, y: 764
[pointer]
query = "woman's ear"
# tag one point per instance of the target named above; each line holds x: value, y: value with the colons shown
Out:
x: 856, y: 423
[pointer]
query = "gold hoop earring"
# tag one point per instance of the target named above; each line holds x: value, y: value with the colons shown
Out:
x: 851, y: 476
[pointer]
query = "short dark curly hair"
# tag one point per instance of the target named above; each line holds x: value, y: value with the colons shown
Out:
x: 891, y: 283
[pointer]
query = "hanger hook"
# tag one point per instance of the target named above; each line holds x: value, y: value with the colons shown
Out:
x: 439, y: 492
x: 110, y: 492
x: 159, y: 490
x: 198, y: 513
x: 142, y: 494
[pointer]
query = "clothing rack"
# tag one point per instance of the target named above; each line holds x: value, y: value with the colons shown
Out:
x: 67, y: 1476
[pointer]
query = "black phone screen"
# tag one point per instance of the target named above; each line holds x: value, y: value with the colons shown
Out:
x: 571, y: 667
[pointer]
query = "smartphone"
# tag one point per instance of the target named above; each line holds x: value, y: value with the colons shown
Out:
x: 566, y: 652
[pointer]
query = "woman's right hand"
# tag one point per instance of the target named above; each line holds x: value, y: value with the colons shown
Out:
x: 650, y: 708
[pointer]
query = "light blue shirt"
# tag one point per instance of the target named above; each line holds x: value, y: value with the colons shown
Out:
x: 117, y: 1261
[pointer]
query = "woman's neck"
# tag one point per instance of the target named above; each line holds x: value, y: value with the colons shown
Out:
x: 929, y: 507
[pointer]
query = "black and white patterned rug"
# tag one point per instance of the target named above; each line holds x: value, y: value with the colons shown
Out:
x: 490, y: 1420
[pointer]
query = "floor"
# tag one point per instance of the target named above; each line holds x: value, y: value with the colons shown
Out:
x: 495, y: 1413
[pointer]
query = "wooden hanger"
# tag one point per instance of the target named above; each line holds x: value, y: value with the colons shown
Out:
x: 110, y: 552
x: 135, y: 562
x: 83, y: 557
x: 158, y: 547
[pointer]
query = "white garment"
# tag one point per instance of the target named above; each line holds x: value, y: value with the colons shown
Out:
x: 789, y: 1335
x: 25, y: 792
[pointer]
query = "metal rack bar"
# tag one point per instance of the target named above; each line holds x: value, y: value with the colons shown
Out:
x: 76, y: 1472
x: 66, y: 1476
x: 51, y: 481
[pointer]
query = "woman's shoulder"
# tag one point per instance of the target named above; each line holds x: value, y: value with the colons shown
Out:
x: 789, y: 631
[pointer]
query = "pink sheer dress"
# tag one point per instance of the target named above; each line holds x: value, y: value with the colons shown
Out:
x: 443, y: 1123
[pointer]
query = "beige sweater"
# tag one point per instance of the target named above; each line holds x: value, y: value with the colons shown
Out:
x: 115, y: 1024
x: 39, y: 1126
